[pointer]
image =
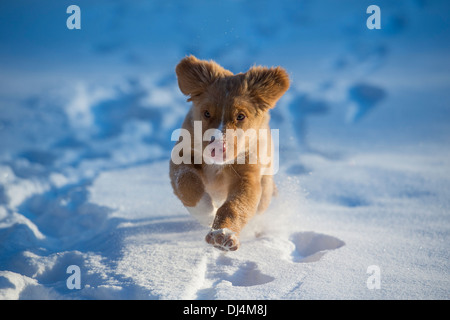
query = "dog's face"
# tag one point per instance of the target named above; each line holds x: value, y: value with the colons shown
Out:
x: 231, y: 108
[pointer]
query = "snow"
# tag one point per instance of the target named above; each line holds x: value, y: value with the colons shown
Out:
x: 86, y: 118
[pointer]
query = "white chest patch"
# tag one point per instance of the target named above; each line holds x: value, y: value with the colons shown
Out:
x: 215, y: 186
x: 204, y: 211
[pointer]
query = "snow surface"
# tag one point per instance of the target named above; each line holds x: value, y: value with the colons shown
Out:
x: 86, y: 118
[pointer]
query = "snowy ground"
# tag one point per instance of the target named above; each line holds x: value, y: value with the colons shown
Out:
x: 86, y: 118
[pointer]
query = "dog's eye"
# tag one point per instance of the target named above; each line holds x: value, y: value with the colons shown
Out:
x: 207, y: 114
x: 240, y: 117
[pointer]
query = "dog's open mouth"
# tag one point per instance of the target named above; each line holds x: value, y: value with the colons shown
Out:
x: 218, y: 156
x: 217, y: 152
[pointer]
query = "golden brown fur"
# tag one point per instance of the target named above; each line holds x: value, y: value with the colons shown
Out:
x: 222, y: 99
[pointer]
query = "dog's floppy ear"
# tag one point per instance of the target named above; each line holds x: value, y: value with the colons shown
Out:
x: 195, y: 75
x: 267, y: 84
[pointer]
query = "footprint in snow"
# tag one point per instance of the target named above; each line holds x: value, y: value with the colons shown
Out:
x: 311, y: 246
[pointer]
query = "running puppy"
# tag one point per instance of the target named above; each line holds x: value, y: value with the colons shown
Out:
x: 218, y: 179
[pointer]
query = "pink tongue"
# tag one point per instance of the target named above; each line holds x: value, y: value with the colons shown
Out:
x: 213, y: 151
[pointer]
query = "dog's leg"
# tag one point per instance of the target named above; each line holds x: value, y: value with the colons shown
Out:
x: 241, y: 204
x: 268, y: 190
x: 188, y: 187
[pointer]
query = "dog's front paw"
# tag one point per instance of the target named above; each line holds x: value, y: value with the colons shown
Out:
x: 223, y: 239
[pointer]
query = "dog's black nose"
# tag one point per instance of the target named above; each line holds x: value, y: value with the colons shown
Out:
x: 213, y: 138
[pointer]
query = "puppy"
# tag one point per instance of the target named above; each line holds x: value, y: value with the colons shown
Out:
x: 217, y: 176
